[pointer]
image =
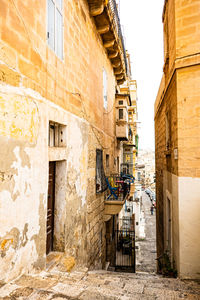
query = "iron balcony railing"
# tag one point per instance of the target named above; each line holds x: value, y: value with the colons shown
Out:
x: 117, y: 26
x: 118, y: 186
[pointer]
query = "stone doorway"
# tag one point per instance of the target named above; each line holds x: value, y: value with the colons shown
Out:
x: 50, y: 207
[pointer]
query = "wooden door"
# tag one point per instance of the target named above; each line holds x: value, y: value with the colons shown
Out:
x: 50, y: 207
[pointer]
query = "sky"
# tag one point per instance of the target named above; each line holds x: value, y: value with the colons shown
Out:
x: 141, y: 22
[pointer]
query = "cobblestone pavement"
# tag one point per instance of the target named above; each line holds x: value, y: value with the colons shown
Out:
x: 98, y: 285
x: 146, y: 252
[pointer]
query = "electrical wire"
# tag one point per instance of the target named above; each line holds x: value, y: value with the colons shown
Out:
x: 108, y: 112
x: 93, y: 127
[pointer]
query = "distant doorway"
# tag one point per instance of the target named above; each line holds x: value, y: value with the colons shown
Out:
x: 169, y: 244
x: 50, y: 207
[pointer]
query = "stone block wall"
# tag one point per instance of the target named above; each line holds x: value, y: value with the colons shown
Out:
x: 164, y: 157
x: 189, y: 121
x: 37, y: 85
x: 177, y: 164
x: 187, y: 25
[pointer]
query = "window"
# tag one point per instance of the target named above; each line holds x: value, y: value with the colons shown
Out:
x: 105, y: 100
x: 139, y: 176
x: 166, y: 38
x: 168, y: 130
x: 55, y: 26
x: 121, y: 114
x: 121, y: 102
x: 57, y: 135
x: 117, y: 164
x: 107, y: 161
x: 100, y: 175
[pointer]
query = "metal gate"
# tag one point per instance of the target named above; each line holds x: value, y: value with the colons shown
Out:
x: 125, y: 249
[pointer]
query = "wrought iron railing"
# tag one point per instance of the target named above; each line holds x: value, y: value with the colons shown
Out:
x: 118, y: 188
x: 116, y: 24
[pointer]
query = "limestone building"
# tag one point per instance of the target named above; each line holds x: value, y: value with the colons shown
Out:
x: 61, y: 63
x: 131, y: 208
x: 177, y: 128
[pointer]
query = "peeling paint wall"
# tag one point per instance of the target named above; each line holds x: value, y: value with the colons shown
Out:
x: 79, y: 229
x: 37, y: 87
x: 22, y: 189
x: 24, y: 185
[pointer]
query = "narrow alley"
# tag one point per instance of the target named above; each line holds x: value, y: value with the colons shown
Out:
x: 99, y: 150
x: 146, y: 247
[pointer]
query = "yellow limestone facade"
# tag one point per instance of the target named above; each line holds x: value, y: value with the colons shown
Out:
x: 177, y: 128
x: 57, y: 93
x: 129, y: 87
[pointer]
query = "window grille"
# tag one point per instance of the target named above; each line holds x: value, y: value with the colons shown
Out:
x: 57, y: 135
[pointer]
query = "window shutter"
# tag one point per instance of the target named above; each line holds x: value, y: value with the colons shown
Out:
x: 105, y: 104
x: 51, y: 24
x: 121, y: 114
x: 59, y: 31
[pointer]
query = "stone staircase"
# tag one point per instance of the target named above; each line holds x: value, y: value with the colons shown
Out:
x: 98, y: 285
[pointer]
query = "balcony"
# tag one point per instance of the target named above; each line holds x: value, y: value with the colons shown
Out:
x: 107, y: 22
x: 116, y: 194
x: 122, y: 130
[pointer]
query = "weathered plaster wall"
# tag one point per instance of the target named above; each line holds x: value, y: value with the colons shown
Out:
x: 70, y: 92
x: 22, y: 188
x: 189, y: 211
x: 185, y: 222
x: 60, y: 206
x: 79, y: 229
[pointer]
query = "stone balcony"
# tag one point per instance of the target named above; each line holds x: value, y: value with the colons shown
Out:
x: 113, y: 207
x: 122, y: 103
x: 115, y: 196
x: 107, y: 22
